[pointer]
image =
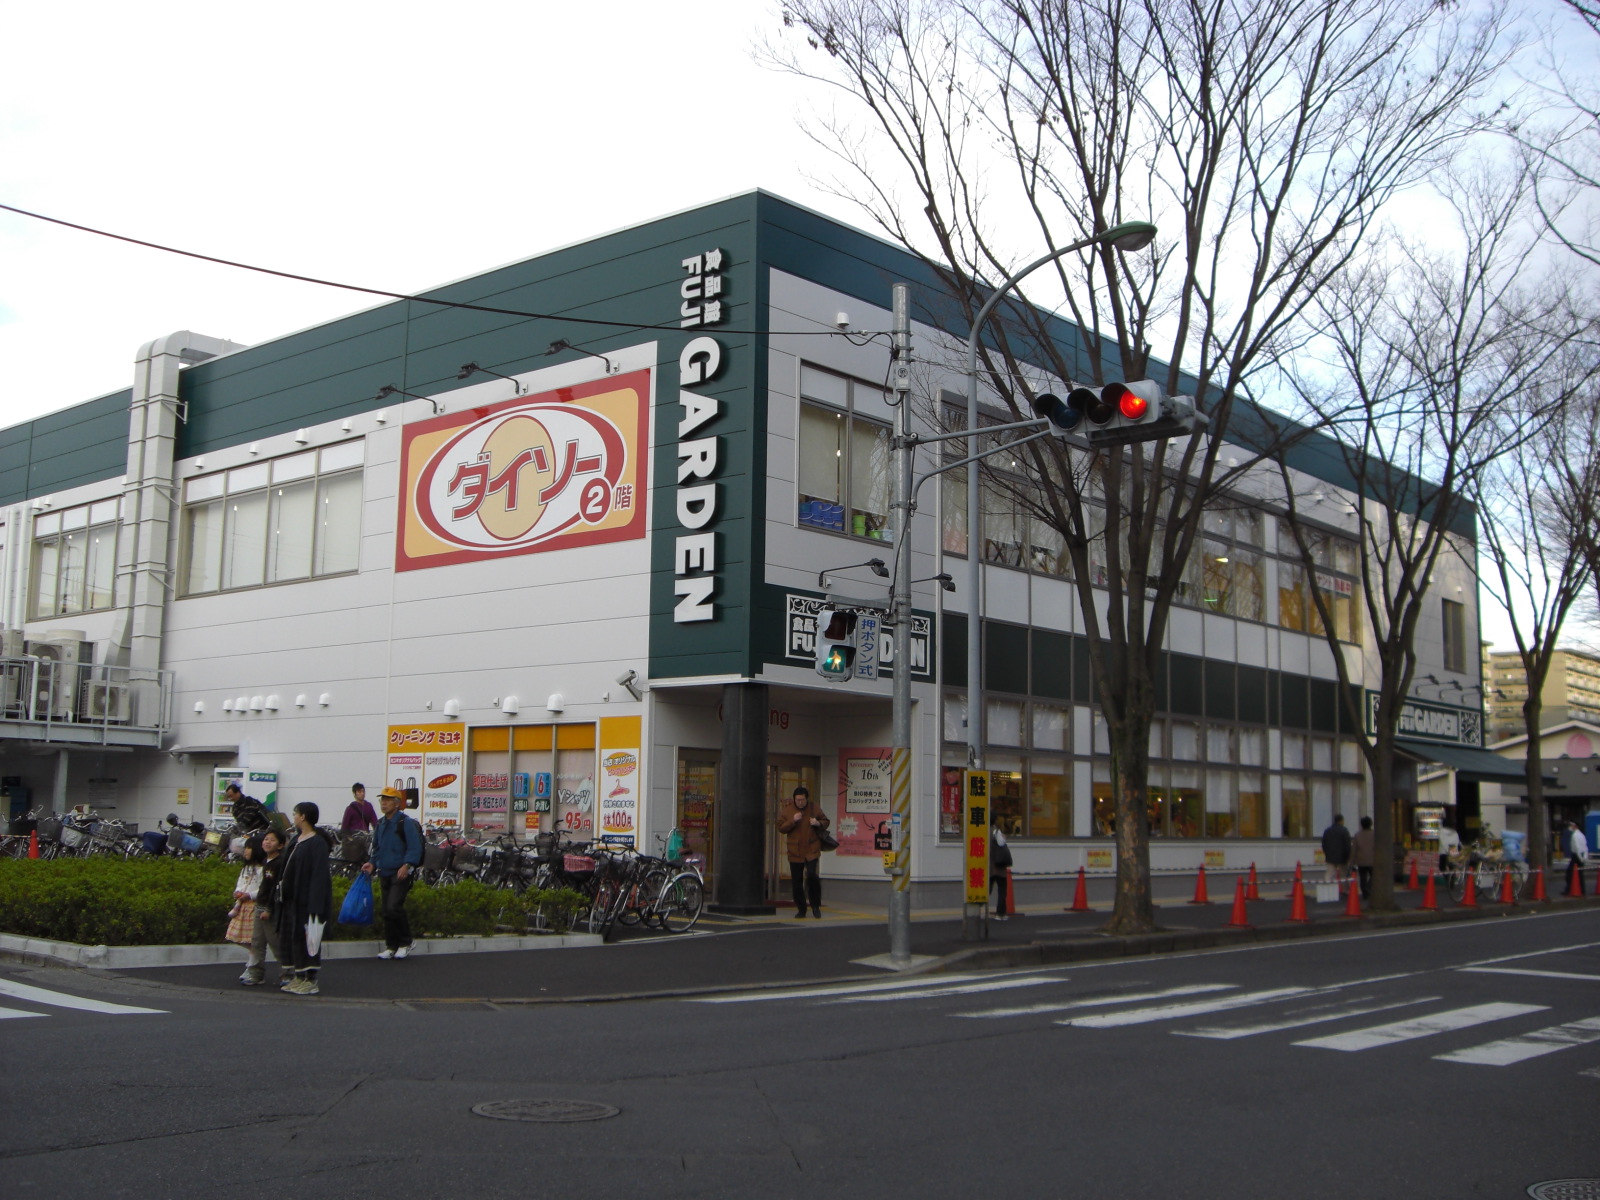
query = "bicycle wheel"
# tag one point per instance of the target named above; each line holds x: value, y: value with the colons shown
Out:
x: 1519, y: 878
x: 1488, y: 881
x: 1457, y: 877
x: 680, y: 904
x: 603, y: 911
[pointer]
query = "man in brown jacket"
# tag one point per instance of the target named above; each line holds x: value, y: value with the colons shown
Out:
x: 800, y: 824
x: 1363, y: 852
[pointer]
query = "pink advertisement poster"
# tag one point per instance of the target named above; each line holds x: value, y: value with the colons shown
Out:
x: 865, y: 773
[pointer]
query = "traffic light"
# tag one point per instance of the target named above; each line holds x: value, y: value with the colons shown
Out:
x: 836, y: 643
x: 1119, y: 413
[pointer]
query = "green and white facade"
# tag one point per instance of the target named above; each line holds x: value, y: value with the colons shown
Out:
x: 262, y: 565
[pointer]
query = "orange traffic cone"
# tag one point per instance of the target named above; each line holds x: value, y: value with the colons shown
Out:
x: 1430, y: 897
x: 1539, y: 893
x: 1200, y: 896
x: 1352, y: 904
x: 1297, y: 903
x: 1297, y: 872
x: 1508, y: 888
x: 33, y: 843
x: 1251, y: 891
x: 1411, y: 882
x: 1011, y: 897
x: 1080, y: 897
x: 1577, y: 881
x: 1469, y: 896
x: 1240, y: 918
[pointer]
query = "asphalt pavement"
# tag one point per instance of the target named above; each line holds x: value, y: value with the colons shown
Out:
x: 728, y: 953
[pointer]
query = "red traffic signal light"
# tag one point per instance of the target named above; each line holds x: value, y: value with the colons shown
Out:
x: 1129, y: 404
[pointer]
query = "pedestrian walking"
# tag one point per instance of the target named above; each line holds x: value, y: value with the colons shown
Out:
x: 359, y: 816
x: 1363, y: 853
x: 267, y: 849
x: 396, y: 858
x: 999, y: 864
x: 1336, y: 850
x: 1577, y: 856
x: 799, y: 824
x: 305, y: 900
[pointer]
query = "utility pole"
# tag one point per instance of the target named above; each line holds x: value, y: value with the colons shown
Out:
x: 900, y: 618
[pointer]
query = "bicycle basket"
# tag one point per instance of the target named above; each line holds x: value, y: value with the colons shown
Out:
x: 353, y: 847
x: 72, y: 837
x: 577, y: 864
x: 547, y: 844
x: 466, y: 857
x: 435, y: 857
x: 215, y: 839
x: 50, y: 829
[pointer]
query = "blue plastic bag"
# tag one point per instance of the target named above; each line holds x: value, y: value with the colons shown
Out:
x: 357, y: 906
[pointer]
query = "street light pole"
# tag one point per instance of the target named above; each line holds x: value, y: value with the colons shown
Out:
x: 1131, y: 235
x: 900, y: 618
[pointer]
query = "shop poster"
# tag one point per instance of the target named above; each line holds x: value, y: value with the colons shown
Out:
x: 426, y: 761
x: 865, y: 774
x: 975, y: 838
x: 619, y: 781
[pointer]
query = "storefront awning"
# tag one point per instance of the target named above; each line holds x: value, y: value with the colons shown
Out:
x: 1470, y: 764
x: 205, y: 751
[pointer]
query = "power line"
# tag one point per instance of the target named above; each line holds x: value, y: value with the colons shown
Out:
x: 351, y: 287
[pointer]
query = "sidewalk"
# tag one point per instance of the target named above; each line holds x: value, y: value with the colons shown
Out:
x: 740, y: 953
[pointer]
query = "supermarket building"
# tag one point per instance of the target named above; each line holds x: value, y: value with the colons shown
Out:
x: 576, y: 587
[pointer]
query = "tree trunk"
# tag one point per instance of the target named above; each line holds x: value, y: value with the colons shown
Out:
x: 1533, y: 768
x: 1380, y: 764
x: 1134, y: 910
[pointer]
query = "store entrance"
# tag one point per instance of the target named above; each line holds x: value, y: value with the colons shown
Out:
x: 696, y: 808
x: 785, y: 772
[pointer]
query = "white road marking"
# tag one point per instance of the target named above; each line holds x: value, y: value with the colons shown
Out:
x: 39, y: 995
x: 1403, y: 1031
x: 992, y: 985
x: 1489, y: 962
x: 7, y: 1014
x: 1529, y: 971
x: 1227, y: 1033
x: 1097, y: 1001
x: 844, y: 989
x: 1170, y: 1012
x: 1529, y: 1045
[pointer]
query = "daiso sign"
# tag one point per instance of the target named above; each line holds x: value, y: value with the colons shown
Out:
x: 542, y: 472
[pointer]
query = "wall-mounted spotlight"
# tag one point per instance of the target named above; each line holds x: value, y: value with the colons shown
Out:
x: 452, y: 708
x: 272, y: 702
x: 556, y: 703
x: 510, y: 706
x: 300, y: 700
x: 389, y: 389
x: 325, y: 699
x: 560, y: 344
x: 877, y: 564
x: 468, y: 369
x: 199, y: 706
x: 301, y: 437
x: 942, y: 579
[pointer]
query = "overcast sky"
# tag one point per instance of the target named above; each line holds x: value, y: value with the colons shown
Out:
x: 396, y: 145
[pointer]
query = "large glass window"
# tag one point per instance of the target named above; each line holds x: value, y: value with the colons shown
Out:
x: 844, y: 469
x: 293, y: 518
x: 75, y: 560
x: 1336, y: 567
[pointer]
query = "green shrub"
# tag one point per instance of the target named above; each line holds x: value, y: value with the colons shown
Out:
x: 168, y: 901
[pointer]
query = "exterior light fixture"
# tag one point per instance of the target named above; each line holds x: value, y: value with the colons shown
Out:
x: 389, y: 389
x: 300, y: 700
x: 510, y: 706
x: 468, y: 369
x: 556, y: 703
x: 452, y: 708
x: 560, y: 344
x: 272, y: 702
x: 325, y: 699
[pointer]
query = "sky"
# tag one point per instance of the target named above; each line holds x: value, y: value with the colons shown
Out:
x: 397, y: 145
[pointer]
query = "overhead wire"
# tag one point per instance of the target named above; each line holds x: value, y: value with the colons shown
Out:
x: 370, y: 291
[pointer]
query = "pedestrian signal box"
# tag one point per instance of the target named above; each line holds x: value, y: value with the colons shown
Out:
x: 836, y: 644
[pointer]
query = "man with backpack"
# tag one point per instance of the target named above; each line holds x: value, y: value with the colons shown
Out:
x: 396, y: 858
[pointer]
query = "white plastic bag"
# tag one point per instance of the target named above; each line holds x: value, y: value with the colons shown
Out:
x: 314, y: 928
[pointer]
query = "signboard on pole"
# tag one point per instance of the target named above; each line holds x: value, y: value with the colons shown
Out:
x: 975, y: 835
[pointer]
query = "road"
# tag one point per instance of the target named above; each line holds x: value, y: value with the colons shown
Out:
x: 1461, y: 1059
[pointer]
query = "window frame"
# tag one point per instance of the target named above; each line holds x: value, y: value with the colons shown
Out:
x: 79, y: 517
x: 854, y: 422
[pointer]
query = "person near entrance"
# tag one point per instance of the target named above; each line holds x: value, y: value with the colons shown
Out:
x: 1336, y: 850
x: 799, y: 824
x: 1577, y: 855
x: 359, y: 816
x: 1363, y: 854
x: 396, y: 856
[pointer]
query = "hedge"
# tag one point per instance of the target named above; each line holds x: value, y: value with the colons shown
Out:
x: 165, y: 901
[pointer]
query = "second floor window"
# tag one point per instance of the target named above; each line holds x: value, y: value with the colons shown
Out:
x: 293, y: 518
x: 75, y: 560
x: 844, y: 476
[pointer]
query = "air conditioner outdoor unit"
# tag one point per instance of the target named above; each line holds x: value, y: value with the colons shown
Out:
x: 57, y: 694
x: 11, y: 643
x: 108, y: 702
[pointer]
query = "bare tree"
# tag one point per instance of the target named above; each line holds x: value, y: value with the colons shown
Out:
x: 1263, y: 138
x: 1436, y: 371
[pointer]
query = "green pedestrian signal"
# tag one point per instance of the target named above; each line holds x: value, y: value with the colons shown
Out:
x: 836, y: 643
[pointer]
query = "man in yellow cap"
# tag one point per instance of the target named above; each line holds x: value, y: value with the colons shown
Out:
x: 396, y: 857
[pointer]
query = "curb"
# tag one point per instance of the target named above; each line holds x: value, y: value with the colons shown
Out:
x: 1105, y: 946
x: 42, y: 951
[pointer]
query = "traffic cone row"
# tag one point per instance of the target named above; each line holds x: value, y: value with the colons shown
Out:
x: 33, y: 843
x: 1539, y: 894
x: 1411, y: 881
x: 1297, y: 900
x: 1575, y: 887
x: 1469, y: 896
x: 1080, y: 897
x: 1240, y: 918
x: 1200, y: 896
x: 1352, y: 905
x: 1508, y: 888
x: 1251, y: 891
x: 1430, y: 897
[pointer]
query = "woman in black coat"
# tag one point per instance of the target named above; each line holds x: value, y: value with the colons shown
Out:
x: 305, y: 893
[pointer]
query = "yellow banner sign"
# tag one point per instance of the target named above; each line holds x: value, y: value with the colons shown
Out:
x: 975, y: 834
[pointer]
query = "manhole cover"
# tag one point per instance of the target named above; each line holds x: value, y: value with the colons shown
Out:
x: 575, y: 1110
x: 1566, y: 1189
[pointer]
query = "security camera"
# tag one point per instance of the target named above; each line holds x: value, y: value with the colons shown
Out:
x: 630, y: 680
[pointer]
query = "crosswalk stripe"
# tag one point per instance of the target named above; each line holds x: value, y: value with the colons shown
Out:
x: 1402, y: 1031
x: 901, y: 985
x: 1228, y: 1033
x: 1529, y: 971
x: 1026, y: 1010
x: 1529, y: 1045
x: 990, y: 985
x: 39, y: 995
x: 1169, y: 1012
x: 7, y: 1014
